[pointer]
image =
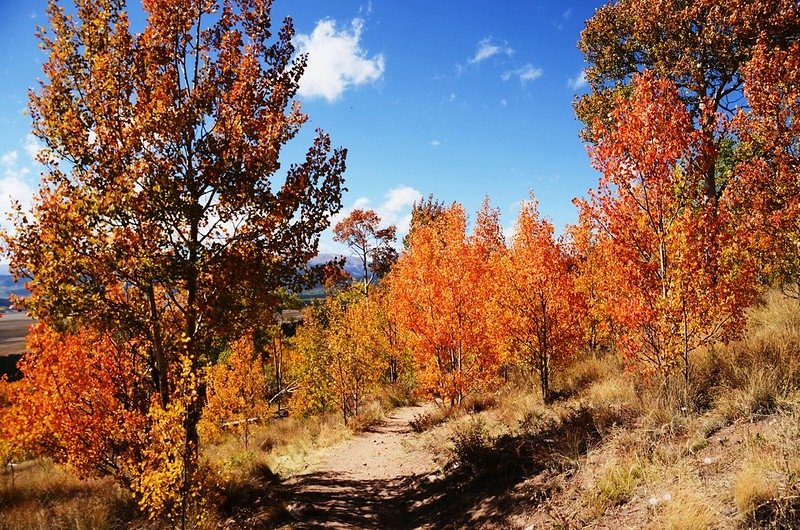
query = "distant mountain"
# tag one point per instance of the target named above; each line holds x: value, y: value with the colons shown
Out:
x: 8, y: 286
x: 351, y: 265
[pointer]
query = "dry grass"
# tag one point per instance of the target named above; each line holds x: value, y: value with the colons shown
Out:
x: 433, y: 418
x: 687, y: 509
x: 616, y: 483
x: 397, y: 395
x: 587, y: 371
x: 475, y: 403
x: 614, y: 401
x: 284, y: 445
x: 517, y: 407
x: 753, y: 487
x: 370, y: 416
x: 758, y: 373
x: 42, y: 496
x: 471, y: 444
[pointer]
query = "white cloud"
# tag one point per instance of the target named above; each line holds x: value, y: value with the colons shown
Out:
x: 394, y: 210
x: 503, y: 102
x: 13, y: 185
x: 9, y: 159
x: 32, y: 146
x: 435, y: 143
x: 578, y: 82
x: 486, y: 49
x: 336, y: 60
x: 361, y: 202
x: 566, y: 15
x: 366, y: 9
x: 396, y: 201
x: 525, y: 73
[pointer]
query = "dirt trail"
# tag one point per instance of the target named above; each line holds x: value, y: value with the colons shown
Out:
x: 369, y: 481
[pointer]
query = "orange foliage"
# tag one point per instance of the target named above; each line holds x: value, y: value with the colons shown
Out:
x: 590, y: 253
x: 389, y: 339
x: 767, y: 189
x: 77, y: 402
x: 538, y: 311
x: 439, y: 297
x: 679, y: 279
x: 80, y: 403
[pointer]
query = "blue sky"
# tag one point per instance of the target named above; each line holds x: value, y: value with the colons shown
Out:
x: 456, y: 98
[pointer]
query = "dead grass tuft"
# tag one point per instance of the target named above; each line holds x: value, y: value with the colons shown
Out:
x: 475, y: 403
x: 397, y: 395
x: 283, y: 444
x: 43, y: 496
x: 616, y: 483
x: 687, y: 510
x: 250, y: 488
x: 370, y: 416
x: 754, y: 487
x: 432, y: 418
x: 587, y: 371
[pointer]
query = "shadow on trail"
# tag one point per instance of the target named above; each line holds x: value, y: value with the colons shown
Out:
x: 455, y: 501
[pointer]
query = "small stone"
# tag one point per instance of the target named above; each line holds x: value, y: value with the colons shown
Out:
x: 667, y: 497
x: 707, y: 460
x: 653, y: 501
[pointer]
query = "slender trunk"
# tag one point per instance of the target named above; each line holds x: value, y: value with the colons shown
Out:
x: 342, y: 388
x: 364, y: 264
x: 686, y: 352
x: 662, y: 265
x: 160, y: 378
x: 392, y: 369
x: 544, y: 354
x: 277, y: 362
x: 710, y: 184
x: 544, y: 377
x: 196, y: 406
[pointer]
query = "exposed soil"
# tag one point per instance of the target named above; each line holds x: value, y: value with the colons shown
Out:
x: 370, y: 481
x: 387, y: 479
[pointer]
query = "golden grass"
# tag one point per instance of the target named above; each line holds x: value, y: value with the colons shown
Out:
x: 285, y: 445
x: 616, y: 483
x: 516, y: 406
x: 586, y: 371
x: 754, y: 486
x: 687, y: 509
x: 614, y: 401
x: 370, y: 416
x: 756, y: 374
x: 43, y: 496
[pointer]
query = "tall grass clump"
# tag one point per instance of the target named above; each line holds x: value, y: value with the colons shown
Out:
x: 43, y: 496
x: 755, y: 375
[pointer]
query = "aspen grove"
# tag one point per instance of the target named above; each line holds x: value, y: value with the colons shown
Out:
x: 166, y: 235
